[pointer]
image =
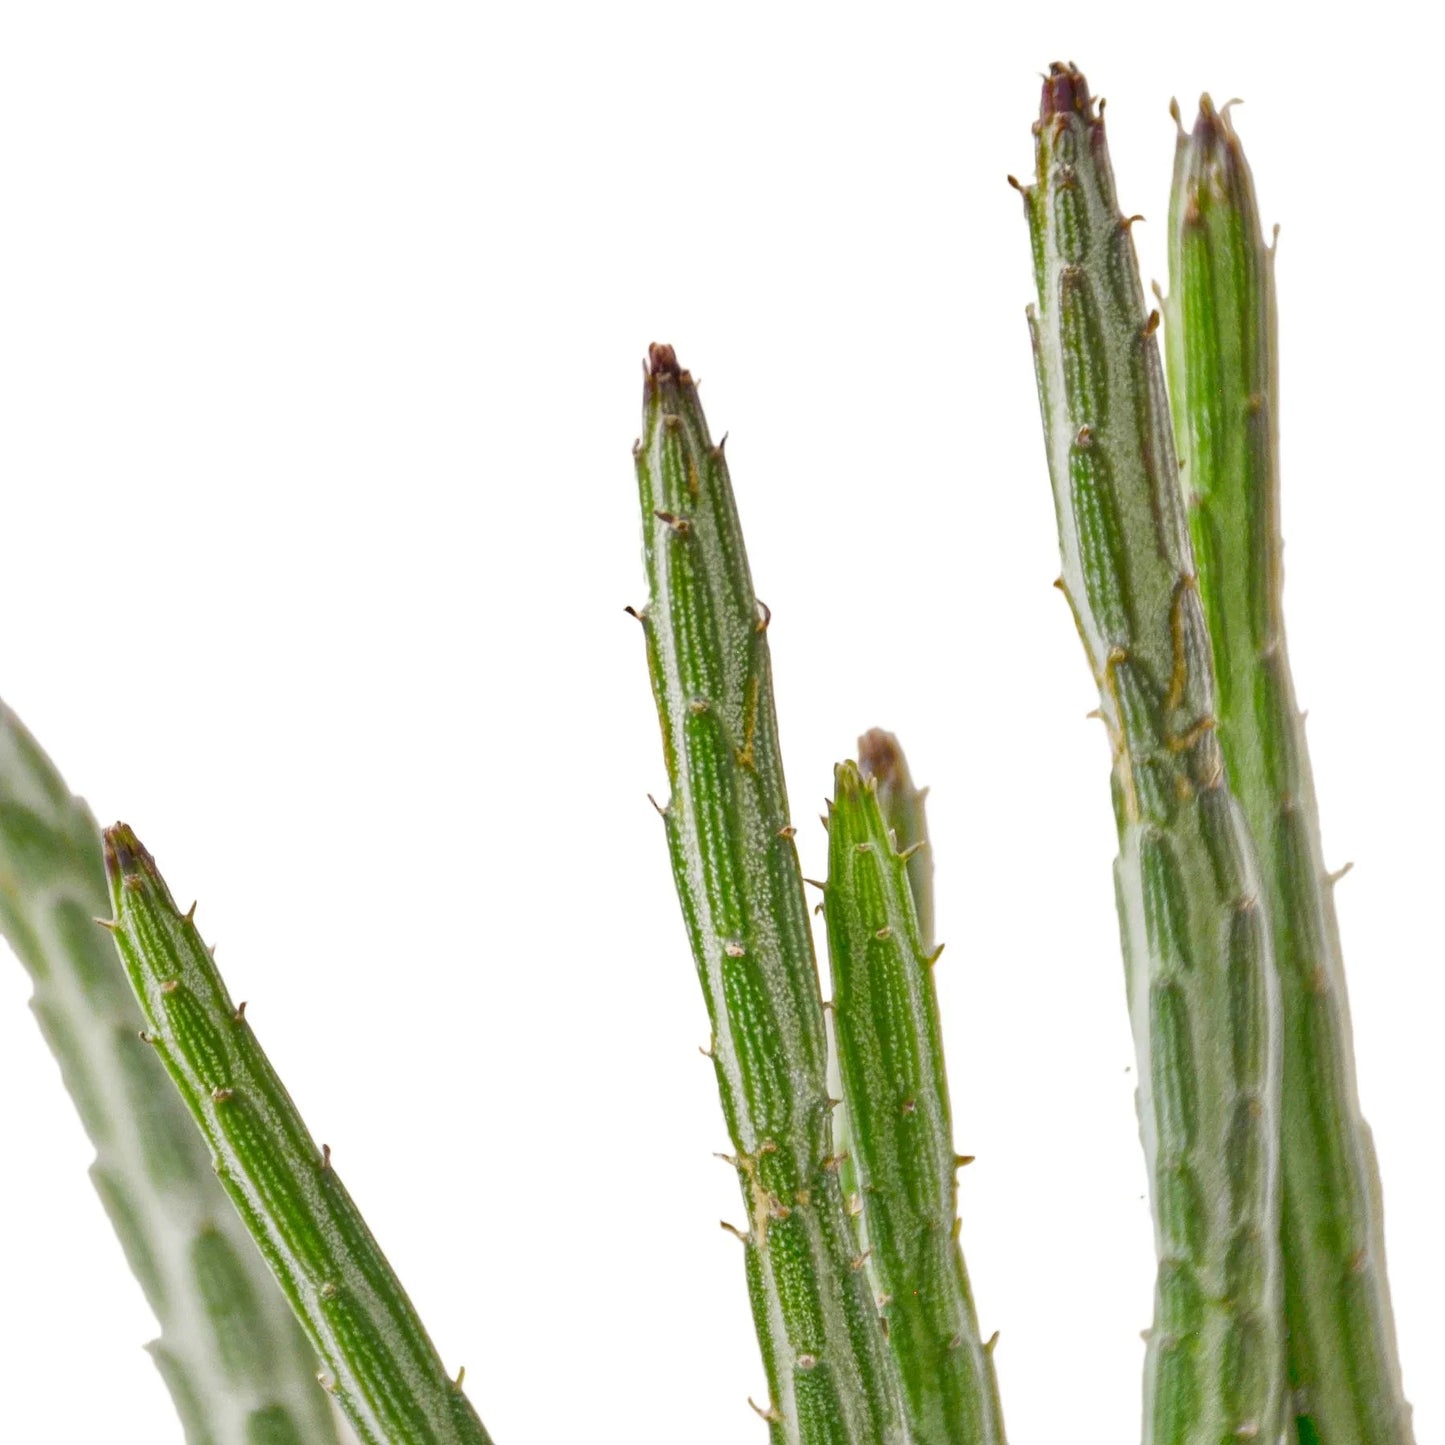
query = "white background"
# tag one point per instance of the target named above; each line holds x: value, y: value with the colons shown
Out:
x: 319, y: 368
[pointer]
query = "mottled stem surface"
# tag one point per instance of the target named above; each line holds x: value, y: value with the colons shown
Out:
x: 1202, y: 989
x: 1220, y: 328
x: 830, y: 1377
x: 237, y: 1366
x: 381, y: 1366
x: 890, y: 1052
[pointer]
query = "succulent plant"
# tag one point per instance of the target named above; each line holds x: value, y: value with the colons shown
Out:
x: 380, y: 1364
x: 1220, y: 327
x: 234, y: 1360
x: 890, y: 1054
x: 735, y: 864
x: 1272, y: 1317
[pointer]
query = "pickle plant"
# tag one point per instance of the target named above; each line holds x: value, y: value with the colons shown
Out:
x: 1272, y: 1308
x: 1272, y: 1318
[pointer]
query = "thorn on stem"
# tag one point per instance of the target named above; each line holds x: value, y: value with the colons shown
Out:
x: 325, y: 1157
x: 240, y: 1011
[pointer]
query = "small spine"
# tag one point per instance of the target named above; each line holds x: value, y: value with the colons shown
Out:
x: 890, y: 1052
x: 381, y: 1366
x: 237, y: 1366
x: 1220, y: 329
x: 830, y: 1378
x: 881, y: 759
x: 1201, y: 982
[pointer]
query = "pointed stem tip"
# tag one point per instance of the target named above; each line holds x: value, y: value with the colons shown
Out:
x: 125, y: 854
x: 880, y: 757
x: 1065, y: 92
x: 1212, y: 128
x: 662, y: 363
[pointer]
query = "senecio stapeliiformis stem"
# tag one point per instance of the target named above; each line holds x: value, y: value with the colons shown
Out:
x: 890, y: 1054
x: 830, y: 1377
x: 881, y: 760
x: 1203, y: 996
x: 383, y: 1369
x: 1220, y: 332
x: 236, y: 1364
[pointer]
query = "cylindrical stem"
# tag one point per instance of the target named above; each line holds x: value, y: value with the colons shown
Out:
x: 881, y: 759
x: 890, y: 1054
x: 383, y: 1369
x: 1220, y: 329
x: 830, y: 1377
x: 237, y: 1366
x: 1202, y: 989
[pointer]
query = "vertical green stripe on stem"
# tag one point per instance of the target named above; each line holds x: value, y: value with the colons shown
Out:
x: 229, y: 1351
x: 1344, y: 1369
x: 829, y: 1375
x: 1203, y: 996
x: 382, y: 1367
x: 890, y: 1052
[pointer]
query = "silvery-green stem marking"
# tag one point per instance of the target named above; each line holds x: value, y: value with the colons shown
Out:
x: 238, y: 1368
x: 382, y: 1367
x: 890, y: 1052
x: 830, y: 1378
x: 1202, y: 989
x: 881, y: 759
x: 1220, y: 329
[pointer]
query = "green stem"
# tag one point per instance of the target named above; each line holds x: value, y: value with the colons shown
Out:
x: 890, y: 1052
x: 238, y: 1368
x: 1344, y: 1369
x: 1202, y: 988
x: 881, y: 759
x: 384, y: 1370
x: 735, y: 865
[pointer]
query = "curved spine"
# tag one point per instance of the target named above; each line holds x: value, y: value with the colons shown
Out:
x: 890, y: 1053
x: 1221, y: 343
x: 735, y: 865
x: 1202, y: 989
x: 238, y: 1368
x: 383, y: 1369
